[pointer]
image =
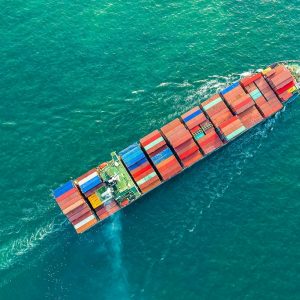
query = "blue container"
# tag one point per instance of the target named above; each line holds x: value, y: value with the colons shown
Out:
x: 132, y: 154
x: 134, y: 166
x: 230, y: 88
x: 129, y: 148
x: 90, y: 184
x: 192, y: 116
x: 132, y: 160
x: 162, y: 156
x: 63, y: 189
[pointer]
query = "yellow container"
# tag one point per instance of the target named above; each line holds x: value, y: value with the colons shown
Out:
x: 94, y: 200
x: 265, y: 71
x: 292, y: 89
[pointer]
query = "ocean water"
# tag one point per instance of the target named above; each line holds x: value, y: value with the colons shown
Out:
x: 80, y: 79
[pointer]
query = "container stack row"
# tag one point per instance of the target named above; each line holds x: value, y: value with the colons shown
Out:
x: 74, y: 207
x: 282, y: 81
x: 161, y: 155
x: 237, y: 99
x: 265, y: 99
x: 231, y: 128
x: 140, y: 168
x: 202, y: 129
x: 182, y: 142
x: 216, y: 109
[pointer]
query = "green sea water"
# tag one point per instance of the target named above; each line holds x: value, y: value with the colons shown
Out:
x: 80, y: 79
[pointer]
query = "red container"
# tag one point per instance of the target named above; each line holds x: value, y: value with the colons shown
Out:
x: 242, y: 104
x: 210, y: 142
x: 67, y: 194
x: 182, y: 142
x: 185, y: 154
x: 150, y: 137
x: 74, y: 216
x: 70, y: 201
x: 220, y: 117
x: 137, y: 170
x: 170, y: 126
x: 285, y: 88
x: 192, y: 158
x: 82, y: 217
x: 238, y: 100
x: 250, y: 117
x: 143, y: 175
x: 228, y: 122
x: 250, y: 79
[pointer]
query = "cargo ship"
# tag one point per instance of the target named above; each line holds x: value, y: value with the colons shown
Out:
x: 166, y: 152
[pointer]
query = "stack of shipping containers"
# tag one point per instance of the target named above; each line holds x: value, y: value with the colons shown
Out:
x: 232, y: 128
x: 140, y: 168
x: 265, y: 99
x: 203, y: 131
x: 216, y: 109
x: 228, y: 125
x: 281, y: 81
x: 74, y: 207
x: 161, y: 155
x: 182, y: 142
x: 237, y: 99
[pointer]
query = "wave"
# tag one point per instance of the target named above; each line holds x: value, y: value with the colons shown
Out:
x: 175, y: 84
x: 138, y: 92
x: 11, y: 253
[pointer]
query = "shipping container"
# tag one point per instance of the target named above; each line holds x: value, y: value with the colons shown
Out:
x: 75, y: 207
x: 182, y: 141
x: 282, y: 82
x: 140, y: 167
x: 159, y: 152
x: 232, y: 128
x: 237, y: 99
x: 216, y: 109
x: 202, y: 129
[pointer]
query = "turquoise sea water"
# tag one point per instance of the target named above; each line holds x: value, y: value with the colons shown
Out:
x: 80, y: 79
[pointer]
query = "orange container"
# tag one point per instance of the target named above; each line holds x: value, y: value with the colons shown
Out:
x: 86, y: 226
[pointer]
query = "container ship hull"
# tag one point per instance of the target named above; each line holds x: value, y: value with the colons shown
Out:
x: 164, y: 153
